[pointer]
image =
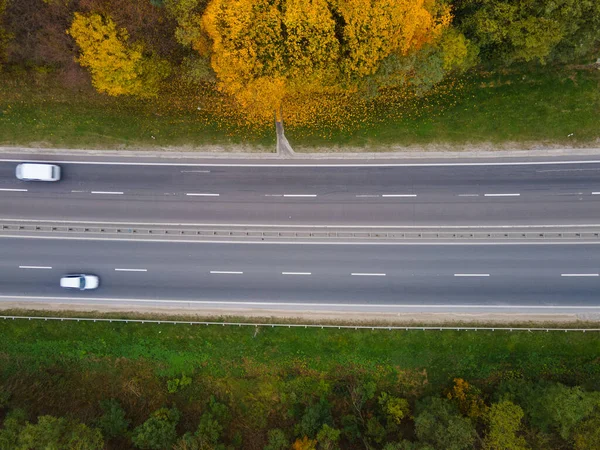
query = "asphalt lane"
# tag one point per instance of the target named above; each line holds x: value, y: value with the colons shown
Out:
x: 549, y: 275
x: 426, y: 195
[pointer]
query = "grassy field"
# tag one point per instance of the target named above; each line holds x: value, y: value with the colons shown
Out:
x: 548, y: 106
x: 37, y: 110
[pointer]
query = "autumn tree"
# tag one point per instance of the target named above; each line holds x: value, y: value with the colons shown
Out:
x: 4, y: 35
x: 265, y: 50
x: 504, y: 420
x: 117, y: 67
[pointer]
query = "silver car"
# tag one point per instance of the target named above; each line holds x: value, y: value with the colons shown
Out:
x: 80, y: 281
x: 38, y: 172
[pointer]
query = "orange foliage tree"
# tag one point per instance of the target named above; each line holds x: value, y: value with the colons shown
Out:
x: 117, y: 68
x: 263, y: 51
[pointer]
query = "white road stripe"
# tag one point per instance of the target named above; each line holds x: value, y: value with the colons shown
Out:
x: 595, y: 193
x: 299, y: 195
x: 131, y: 270
x: 107, y: 192
x: 195, y: 171
x: 471, y: 274
x: 75, y: 191
x: 296, y: 273
x: 359, y: 274
x: 367, y: 195
x: 399, y: 195
x: 13, y: 190
x: 468, y: 195
x: 273, y: 195
x: 579, y: 274
x: 501, y: 195
x: 35, y: 267
x: 202, y: 195
x: 225, y: 272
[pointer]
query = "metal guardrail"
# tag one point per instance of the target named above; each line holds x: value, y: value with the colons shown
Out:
x: 297, y: 325
x: 295, y: 234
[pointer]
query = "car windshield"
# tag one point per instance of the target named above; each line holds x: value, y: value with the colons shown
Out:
x: 81, y: 282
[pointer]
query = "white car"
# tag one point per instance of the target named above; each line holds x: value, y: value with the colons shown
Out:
x: 80, y: 281
x: 38, y: 172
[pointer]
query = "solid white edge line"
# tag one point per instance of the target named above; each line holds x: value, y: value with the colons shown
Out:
x: 225, y: 272
x: 398, y: 195
x: 363, y: 274
x: 107, y: 192
x: 501, y: 195
x: 296, y: 273
x: 301, y: 304
x: 131, y: 270
x: 579, y: 274
x: 35, y: 267
x: 316, y: 165
x: 189, y: 241
x: 202, y: 195
x: 328, y: 226
x: 471, y: 274
x: 13, y: 190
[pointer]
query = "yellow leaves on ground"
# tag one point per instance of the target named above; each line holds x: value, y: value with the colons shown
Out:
x: 116, y: 67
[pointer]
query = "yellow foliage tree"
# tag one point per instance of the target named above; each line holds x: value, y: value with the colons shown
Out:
x: 264, y: 51
x: 116, y: 67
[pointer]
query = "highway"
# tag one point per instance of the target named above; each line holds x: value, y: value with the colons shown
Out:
x: 351, y: 276
x: 484, y: 194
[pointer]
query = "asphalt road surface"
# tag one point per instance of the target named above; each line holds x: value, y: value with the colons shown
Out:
x: 542, y: 274
x: 488, y: 195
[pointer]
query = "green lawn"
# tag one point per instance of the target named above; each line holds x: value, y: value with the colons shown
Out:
x: 537, y: 107
x: 39, y: 111
x: 549, y: 106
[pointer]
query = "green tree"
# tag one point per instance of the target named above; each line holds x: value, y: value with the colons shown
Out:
x: 407, y: 445
x: 14, y: 422
x: 586, y: 435
x: 113, y: 421
x: 555, y: 406
x: 313, y: 419
x: 5, y: 36
x: 328, y: 438
x: 58, y: 433
x: 277, y: 440
x: 504, y: 421
x: 158, y: 432
x: 439, y: 423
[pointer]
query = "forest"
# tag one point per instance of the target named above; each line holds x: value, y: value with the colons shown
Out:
x: 102, y: 385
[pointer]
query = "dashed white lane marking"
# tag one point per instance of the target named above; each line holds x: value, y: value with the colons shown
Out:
x: 195, y: 171
x: 225, y: 272
x: 468, y: 195
x: 296, y: 273
x: 108, y: 192
x: 471, y: 274
x: 579, y: 274
x: 76, y: 191
x: 13, y: 190
x: 398, y: 195
x: 299, y: 195
x: 273, y: 195
x: 35, y: 267
x: 367, y: 195
x: 131, y: 270
x: 202, y: 195
x: 501, y: 195
x: 363, y: 274
x: 595, y: 193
